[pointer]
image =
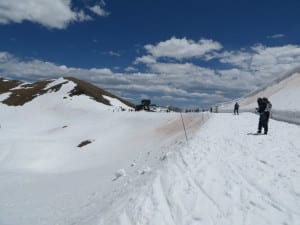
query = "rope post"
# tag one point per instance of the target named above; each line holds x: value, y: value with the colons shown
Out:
x: 184, y: 128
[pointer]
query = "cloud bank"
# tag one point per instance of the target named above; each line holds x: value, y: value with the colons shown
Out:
x: 185, y: 82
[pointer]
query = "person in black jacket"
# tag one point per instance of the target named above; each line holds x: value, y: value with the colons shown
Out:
x: 263, y: 115
x: 236, y: 108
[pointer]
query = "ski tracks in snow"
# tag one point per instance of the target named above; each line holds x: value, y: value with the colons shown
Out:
x: 224, y: 177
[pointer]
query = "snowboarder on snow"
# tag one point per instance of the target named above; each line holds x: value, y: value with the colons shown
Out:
x: 264, y: 107
x: 236, y: 108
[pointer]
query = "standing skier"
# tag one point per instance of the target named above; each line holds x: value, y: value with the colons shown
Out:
x: 264, y: 107
x: 236, y: 108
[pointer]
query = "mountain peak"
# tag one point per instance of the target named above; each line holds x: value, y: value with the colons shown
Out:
x: 94, y: 92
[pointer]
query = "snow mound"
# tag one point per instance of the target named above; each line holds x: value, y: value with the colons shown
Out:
x: 119, y: 173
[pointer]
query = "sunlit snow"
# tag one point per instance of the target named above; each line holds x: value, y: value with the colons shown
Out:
x: 139, y: 168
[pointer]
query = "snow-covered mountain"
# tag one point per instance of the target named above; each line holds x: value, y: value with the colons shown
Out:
x: 283, y: 94
x: 68, y: 159
x: 17, y: 93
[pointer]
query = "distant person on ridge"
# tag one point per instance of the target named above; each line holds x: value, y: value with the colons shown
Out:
x: 264, y: 107
x: 236, y: 108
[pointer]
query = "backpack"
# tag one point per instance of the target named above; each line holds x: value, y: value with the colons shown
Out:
x: 268, y: 107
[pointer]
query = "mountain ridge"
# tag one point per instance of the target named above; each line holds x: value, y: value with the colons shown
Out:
x: 20, y: 93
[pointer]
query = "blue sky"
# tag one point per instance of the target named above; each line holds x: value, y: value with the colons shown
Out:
x: 186, y: 53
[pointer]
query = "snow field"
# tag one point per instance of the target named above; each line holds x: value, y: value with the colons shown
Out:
x: 46, y: 179
x: 223, y: 177
x: 139, y: 169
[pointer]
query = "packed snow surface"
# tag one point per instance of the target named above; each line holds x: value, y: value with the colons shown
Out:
x: 225, y: 176
x: 139, y: 168
x: 128, y: 175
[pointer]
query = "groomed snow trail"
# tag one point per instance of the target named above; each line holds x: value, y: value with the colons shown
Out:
x: 224, y: 177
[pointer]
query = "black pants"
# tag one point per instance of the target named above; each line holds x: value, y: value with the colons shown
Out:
x: 236, y: 111
x: 263, y: 122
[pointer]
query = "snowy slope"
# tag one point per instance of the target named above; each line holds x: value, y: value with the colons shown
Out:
x: 284, y: 96
x: 224, y: 177
x: 138, y: 167
x: 45, y: 178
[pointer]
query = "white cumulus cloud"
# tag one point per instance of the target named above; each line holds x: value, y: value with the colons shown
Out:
x: 263, y: 61
x: 49, y: 13
x: 146, y: 59
x: 183, y: 48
